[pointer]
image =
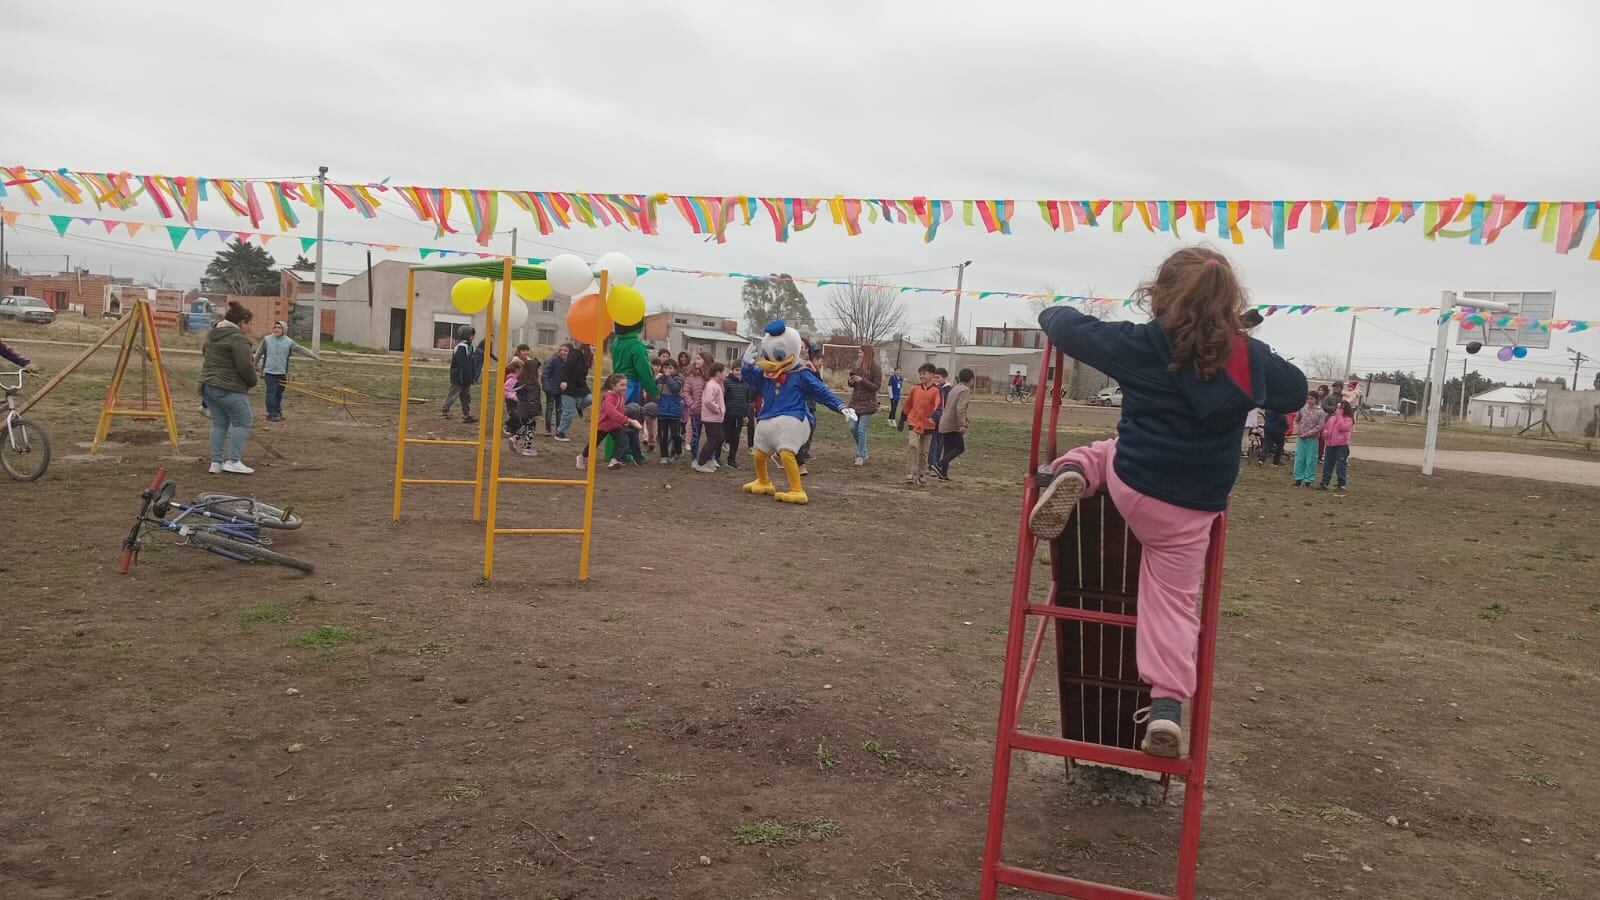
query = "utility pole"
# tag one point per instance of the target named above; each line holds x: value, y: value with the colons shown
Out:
x: 1349, y: 352
x: 5, y: 265
x: 522, y: 333
x: 316, y: 298
x: 955, y: 320
x: 899, y: 347
x: 1463, y: 409
x: 1427, y: 386
x: 1578, y: 359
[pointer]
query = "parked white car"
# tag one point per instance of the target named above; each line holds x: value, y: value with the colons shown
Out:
x: 1111, y: 396
x: 27, y: 309
x: 1383, y: 409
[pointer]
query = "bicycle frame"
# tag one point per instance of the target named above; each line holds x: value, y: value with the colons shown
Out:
x: 228, y: 526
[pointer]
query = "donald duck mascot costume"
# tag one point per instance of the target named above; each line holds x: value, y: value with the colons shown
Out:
x: 773, y: 365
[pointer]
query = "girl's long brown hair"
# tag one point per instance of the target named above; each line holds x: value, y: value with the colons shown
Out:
x: 1199, y: 299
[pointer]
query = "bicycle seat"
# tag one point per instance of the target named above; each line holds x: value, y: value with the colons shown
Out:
x: 163, y: 500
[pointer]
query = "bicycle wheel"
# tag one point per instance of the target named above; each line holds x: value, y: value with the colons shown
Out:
x: 25, y: 452
x: 216, y: 543
x: 264, y: 514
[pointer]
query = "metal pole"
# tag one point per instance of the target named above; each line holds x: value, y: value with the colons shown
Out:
x: 522, y: 333
x: 1349, y: 352
x: 1463, y: 409
x: 5, y: 266
x: 955, y: 320
x: 316, y: 298
x: 1430, y: 444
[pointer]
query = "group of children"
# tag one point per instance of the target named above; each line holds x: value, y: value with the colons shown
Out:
x: 1322, y: 435
x: 936, y: 412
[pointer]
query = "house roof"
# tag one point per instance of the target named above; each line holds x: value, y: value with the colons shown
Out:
x: 1534, y: 396
x: 711, y: 334
x: 328, y: 278
x: 486, y: 269
x: 976, y: 350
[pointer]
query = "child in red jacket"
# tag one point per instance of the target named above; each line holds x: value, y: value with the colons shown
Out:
x: 614, y: 422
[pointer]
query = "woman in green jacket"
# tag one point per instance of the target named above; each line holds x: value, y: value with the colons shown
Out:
x: 227, y: 372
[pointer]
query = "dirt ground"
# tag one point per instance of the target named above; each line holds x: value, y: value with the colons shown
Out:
x: 749, y: 699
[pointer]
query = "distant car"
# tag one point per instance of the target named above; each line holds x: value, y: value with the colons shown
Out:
x: 1383, y: 409
x: 27, y: 309
x: 1111, y: 396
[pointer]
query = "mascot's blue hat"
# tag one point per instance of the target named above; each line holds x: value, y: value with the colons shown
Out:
x: 775, y: 327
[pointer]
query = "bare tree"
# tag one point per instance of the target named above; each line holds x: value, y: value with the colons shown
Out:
x: 939, y: 333
x: 865, y: 312
x: 1324, y: 366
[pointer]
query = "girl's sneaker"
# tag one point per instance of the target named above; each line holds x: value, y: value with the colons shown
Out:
x: 666, y: 460
x: 529, y: 451
x: 581, y: 461
x: 1162, y: 737
x: 1056, y: 503
x: 614, y: 464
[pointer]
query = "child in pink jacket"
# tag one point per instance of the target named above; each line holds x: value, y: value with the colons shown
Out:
x: 1336, y: 444
x: 713, y: 410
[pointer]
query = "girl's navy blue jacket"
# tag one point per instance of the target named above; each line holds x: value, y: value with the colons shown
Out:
x: 1179, y: 436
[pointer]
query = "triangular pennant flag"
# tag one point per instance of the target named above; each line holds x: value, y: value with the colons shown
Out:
x: 110, y: 224
x: 424, y: 251
x: 307, y: 243
x: 133, y: 228
x: 177, y: 233
x: 201, y: 232
x: 61, y: 223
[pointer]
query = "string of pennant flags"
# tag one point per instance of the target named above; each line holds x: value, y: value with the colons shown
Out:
x: 177, y: 234
x: 1561, y: 223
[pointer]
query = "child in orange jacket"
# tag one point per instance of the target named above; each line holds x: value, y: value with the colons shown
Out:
x: 921, y: 403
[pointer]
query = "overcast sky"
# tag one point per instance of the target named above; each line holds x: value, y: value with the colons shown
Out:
x: 861, y: 98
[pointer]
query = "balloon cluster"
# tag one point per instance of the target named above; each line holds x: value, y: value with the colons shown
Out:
x: 1504, y: 354
x: 569, y: 276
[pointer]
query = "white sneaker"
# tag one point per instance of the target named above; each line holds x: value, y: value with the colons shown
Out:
x: 236, y: 467
x: 699, y: 468
x: 666, y: 460
x: 216, y: 469
x: 1055, y: 505
x: 860, y: 461
x: 614, y: 464
x: 581, y: 462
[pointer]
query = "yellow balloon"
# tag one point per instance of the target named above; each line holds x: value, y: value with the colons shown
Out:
x: 625, y: 304
x: 531, y: 291
x: 471, y: 295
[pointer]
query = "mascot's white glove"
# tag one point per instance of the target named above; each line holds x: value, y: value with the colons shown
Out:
x: 850, y: 415
x: 750, y: 354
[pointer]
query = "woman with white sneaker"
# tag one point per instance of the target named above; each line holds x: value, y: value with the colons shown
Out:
x: 227, y: 373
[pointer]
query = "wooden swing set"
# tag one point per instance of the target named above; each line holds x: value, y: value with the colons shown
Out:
x: 138, y: 330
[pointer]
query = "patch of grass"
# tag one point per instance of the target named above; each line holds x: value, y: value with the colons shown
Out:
x: 282, y: 611
x: 385, y: 648
x: 635, y: 723
x: 1369, y: 678
x: 781, y: 834
x: 997, y: 629
x: 826, y: 759
x: 480, y: 581
x: 1081, y: 849
x: 961, y: 723
x: 613, y: 616
x: 946, y: 647
x: 1594, y: 607
x: 1129, y: 845
x: 1391, y: 599
x: 1236, y: 610
x: 1542, y: 779
x: 433, y: 648
x: 328, y: 636
x: 884, y: 754
x: 1288, y: 809
x: 1492, y: 612
x: 970, y: 570
x: 1531, y: 757
x: 663, y: 779
x: 797, y: 653
x: 1339, y: 815
x: 1538, y: 875
x: 463, y: 790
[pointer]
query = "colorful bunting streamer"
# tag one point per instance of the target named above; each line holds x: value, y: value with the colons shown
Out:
x: 1067, y: 211
x: 1562, y: 224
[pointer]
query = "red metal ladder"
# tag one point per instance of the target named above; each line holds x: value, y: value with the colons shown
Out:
x: 1093, y: 600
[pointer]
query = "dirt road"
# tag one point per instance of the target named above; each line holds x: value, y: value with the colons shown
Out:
x: 1487, y: 462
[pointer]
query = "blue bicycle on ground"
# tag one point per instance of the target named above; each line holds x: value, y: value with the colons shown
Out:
x: 224, y: 524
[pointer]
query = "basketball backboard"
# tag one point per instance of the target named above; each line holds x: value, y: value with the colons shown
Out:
x: 1533, y: 305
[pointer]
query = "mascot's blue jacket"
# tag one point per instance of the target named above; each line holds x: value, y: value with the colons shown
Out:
x: 786, y: 395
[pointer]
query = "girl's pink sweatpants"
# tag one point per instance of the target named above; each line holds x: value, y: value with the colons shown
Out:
x: 1175, y: 541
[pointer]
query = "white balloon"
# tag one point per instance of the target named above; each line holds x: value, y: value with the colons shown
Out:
x: 518, y: 314
x: 619, y: 266
x: 568, y: 275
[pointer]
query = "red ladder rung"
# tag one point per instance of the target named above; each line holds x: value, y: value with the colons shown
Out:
x: 1099, y: 753
x: 1081, y: 615
x: 1068, y: 887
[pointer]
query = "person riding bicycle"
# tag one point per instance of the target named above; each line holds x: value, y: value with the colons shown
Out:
x: 11, y: 354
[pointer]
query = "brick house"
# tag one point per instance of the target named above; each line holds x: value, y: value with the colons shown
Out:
x: 79, y: 291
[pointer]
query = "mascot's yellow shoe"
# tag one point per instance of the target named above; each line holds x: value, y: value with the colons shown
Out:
x: 762, y: 485
x: 791, y: 469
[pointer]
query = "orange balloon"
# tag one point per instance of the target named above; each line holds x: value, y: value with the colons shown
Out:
x: 581, y: 319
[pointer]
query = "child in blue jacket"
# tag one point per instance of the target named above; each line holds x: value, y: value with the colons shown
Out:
x: 1189, y: 378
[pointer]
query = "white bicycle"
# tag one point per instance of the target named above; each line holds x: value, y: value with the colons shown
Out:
x: 24, y: 448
